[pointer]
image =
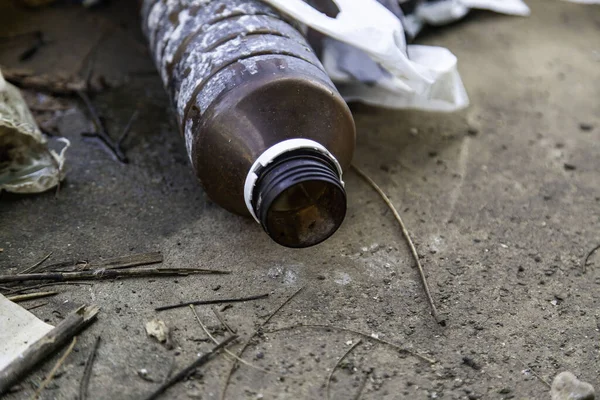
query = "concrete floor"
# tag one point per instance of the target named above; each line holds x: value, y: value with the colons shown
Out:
x: 502, y: 219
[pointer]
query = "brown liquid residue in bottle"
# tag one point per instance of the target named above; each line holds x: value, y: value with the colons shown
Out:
x: 266, y: 131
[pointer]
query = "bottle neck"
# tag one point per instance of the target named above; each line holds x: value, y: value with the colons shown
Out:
x: 295, y: 191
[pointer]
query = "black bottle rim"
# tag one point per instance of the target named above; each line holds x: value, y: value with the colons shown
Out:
x: 299, y: 198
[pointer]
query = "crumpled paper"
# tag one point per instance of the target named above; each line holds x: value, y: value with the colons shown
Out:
x: 366, y: 55
x: 19, y: 329
x: 27, y: 165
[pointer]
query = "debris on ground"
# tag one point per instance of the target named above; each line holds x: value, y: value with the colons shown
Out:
x: 31, y: 356
x: 20, y: 329
x: 566, y: 386
x: 27, y: 165
x: 157, y: 329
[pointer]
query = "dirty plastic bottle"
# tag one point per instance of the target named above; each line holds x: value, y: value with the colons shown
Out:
x: 266, y: 131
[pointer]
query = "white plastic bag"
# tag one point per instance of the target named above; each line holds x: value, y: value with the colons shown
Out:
x: 415, y: 76
x: 26, y: 163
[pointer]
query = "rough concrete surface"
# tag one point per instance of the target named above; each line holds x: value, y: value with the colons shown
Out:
x: 503, y: 202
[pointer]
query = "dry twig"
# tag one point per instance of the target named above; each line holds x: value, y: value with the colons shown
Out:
x: 56, y: 85
x: 223, y: 322
x: 200, y: 361
x: 134, y: 260
x: 30, y: 296
x: 47, y: 345
x: 104, y: 273
x: 545, y: 382
x: 87, y: 371
x: 362, y: 386
x: 50, y: 375
x: 36, y: 306
x: 26, y: 288
x: 587, y: 257
x: 226, y: 350
x: 214, y: 301
x: 37, y: 264
x: 127, y: 129
x: 100, y: 132
x: 409, y: 241
x: 364, y: 335
x: 247, y: 343
x: 355, y: 345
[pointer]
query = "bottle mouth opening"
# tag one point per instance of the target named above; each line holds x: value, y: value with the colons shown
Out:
x: 299, y: 198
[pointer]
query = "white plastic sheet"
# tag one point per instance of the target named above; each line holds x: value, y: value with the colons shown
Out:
x: 19, y: 329
x: 393, y: 74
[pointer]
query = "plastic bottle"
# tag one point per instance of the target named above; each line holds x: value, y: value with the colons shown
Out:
x: 266, y: 131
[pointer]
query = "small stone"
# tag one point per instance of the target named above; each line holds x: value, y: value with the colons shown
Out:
x: 414, y: 131
x: 505, y: 391
x: 569, y: 352
x: 471, y: 363
x: 143, y: 373
x: 216, y: 287
x: 158, y: 330
x: 584, y: 126
x: 569, y: 167
x: 472, y: 131
x: 567, y: 387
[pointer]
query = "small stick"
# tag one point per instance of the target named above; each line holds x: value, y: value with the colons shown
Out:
x: 50, y: 376
x: 227, y: 350
x: 129, y: 261
x: 100, y: 132
x: 200, y: 361
x: 545, y: 382
x: 135, y: 260
x: 587, y: 257
x: 409, y: 241
x: 37, y: 264
x: 45, y: 83
x: 222, y: 321
x: 127, y: 129
x: 355, y: 345
x: 30, y: 296
x: 87, y: 371
x: 247, y: 343
x: 103, y: 273
x: 36, y: 306
x: 47, y: 345
x: 281, y: 306
x: 362, y: 386
x: 214, y: 301
x: 364, y: 335
x: 23, y: 289
x: 80, y: 264
x: 31, y: 51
